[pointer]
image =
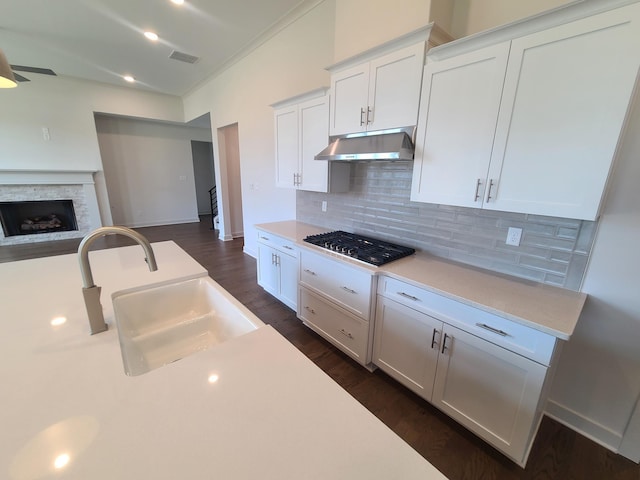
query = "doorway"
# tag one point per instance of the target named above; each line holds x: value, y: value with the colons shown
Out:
x: 204, y: 176
x: 229, y: 150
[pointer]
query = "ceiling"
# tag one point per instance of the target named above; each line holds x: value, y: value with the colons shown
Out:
x: 103, y: 40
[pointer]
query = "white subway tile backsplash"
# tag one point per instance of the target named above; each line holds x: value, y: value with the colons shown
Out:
x: 553, y: 250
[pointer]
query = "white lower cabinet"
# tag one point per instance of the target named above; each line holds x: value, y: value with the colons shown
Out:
x: 494, y: 392
x: 278, y: 268
x: 346, y: 331
x: 401, y: 335
x: 335, y: 302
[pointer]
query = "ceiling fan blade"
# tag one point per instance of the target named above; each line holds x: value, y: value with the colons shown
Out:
x: 20, y: 78
x: 43, y: 71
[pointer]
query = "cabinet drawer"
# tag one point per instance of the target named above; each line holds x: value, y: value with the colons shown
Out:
x: 279, y: 243
x: 526, y: 341
x: 347, y: 332
x: 348, y: 287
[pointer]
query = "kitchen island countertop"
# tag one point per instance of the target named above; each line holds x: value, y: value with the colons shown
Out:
x: 546, y: 308
x: 252, y: 407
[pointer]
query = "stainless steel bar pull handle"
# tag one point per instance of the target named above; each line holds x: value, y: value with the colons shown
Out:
x: 433, y: 338
x: 493, y: 330
x: 310, y: 272
x: 369, y: 115
x: 287, y: 247
x: 345, y: 333
x: 347, y: 289
x: 410, y: 297
x: 362, y: 112
x: 491, y: 184
x: 310, y: 310
x: 444, y: 343
x: 477, y: 195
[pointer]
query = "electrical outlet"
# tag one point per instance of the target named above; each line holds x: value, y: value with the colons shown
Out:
x: 513, y: 236
x: 324, y: 205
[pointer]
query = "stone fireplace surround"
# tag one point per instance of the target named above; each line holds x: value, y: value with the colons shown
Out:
x: 75, y: 185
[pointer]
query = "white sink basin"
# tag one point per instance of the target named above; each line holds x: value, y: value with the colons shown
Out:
x: 159, y: 325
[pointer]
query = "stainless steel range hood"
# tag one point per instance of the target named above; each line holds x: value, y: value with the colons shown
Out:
x: 394, y: 144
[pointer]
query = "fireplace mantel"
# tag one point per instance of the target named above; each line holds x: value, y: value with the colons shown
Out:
x: 46, y: 177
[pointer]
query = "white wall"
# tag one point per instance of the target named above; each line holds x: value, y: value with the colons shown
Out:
x: 472, y: 16
x: 363, y: 24
x: 148, y: 169
x: 66, y: 106
x: 290, y: 63
x: 598, y: 379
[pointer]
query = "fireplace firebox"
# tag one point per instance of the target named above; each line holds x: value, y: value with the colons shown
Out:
x: 34, y: 217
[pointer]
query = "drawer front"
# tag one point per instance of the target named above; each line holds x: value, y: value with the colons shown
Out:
x: 526, y: 341
x: 347, y: 332
x: 348, y: 287
x: 279, y: 243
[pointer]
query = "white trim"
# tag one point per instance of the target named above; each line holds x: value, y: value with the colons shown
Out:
x: 46, y: 177
x: 585, y: 426
x: 630, y: 445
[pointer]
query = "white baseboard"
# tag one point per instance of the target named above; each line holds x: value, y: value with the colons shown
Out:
x: 163, y: 222
x: 584, y: 426
x: 251, y: 253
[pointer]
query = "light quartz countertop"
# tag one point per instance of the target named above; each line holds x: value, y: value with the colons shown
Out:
x: 271, y: 414
x: 546, y: 308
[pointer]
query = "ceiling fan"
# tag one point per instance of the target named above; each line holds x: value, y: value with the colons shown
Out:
x: 22, y: 68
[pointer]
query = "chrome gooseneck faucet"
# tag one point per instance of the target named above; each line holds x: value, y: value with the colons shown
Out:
x: 90, y: 290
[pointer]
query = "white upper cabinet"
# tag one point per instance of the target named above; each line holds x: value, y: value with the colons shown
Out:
x: 301, y: 132
x: 561, y: 99
x: 461, y: 99
x: 379, y: 94
x: 564, y: 103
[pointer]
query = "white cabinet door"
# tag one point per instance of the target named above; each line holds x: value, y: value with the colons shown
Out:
x: 565, y: 98
x: 490, y: 390
x: 277, y: 270
x: 314, y: 136
x: 288, y: 266
x: 406, y: 345
x: 394, y: 88
x: 380, y: 94
x: 459, y: 109
x: 268, y: 272
x: 349, y: 91
x: 286, y: 148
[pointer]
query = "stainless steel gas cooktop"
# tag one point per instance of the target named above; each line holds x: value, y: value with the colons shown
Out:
x: 366, y: 249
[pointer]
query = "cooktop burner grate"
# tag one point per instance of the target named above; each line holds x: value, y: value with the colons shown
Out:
x: 369, y: 250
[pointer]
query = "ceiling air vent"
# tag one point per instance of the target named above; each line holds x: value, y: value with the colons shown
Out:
x: 183, y: 57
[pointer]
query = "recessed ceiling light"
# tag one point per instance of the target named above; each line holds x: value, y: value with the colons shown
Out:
x: 151, y: 36
x: 129, y: 78
x: 177, y: 2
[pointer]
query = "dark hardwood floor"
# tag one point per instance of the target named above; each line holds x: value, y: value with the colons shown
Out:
x: 558, y: 452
